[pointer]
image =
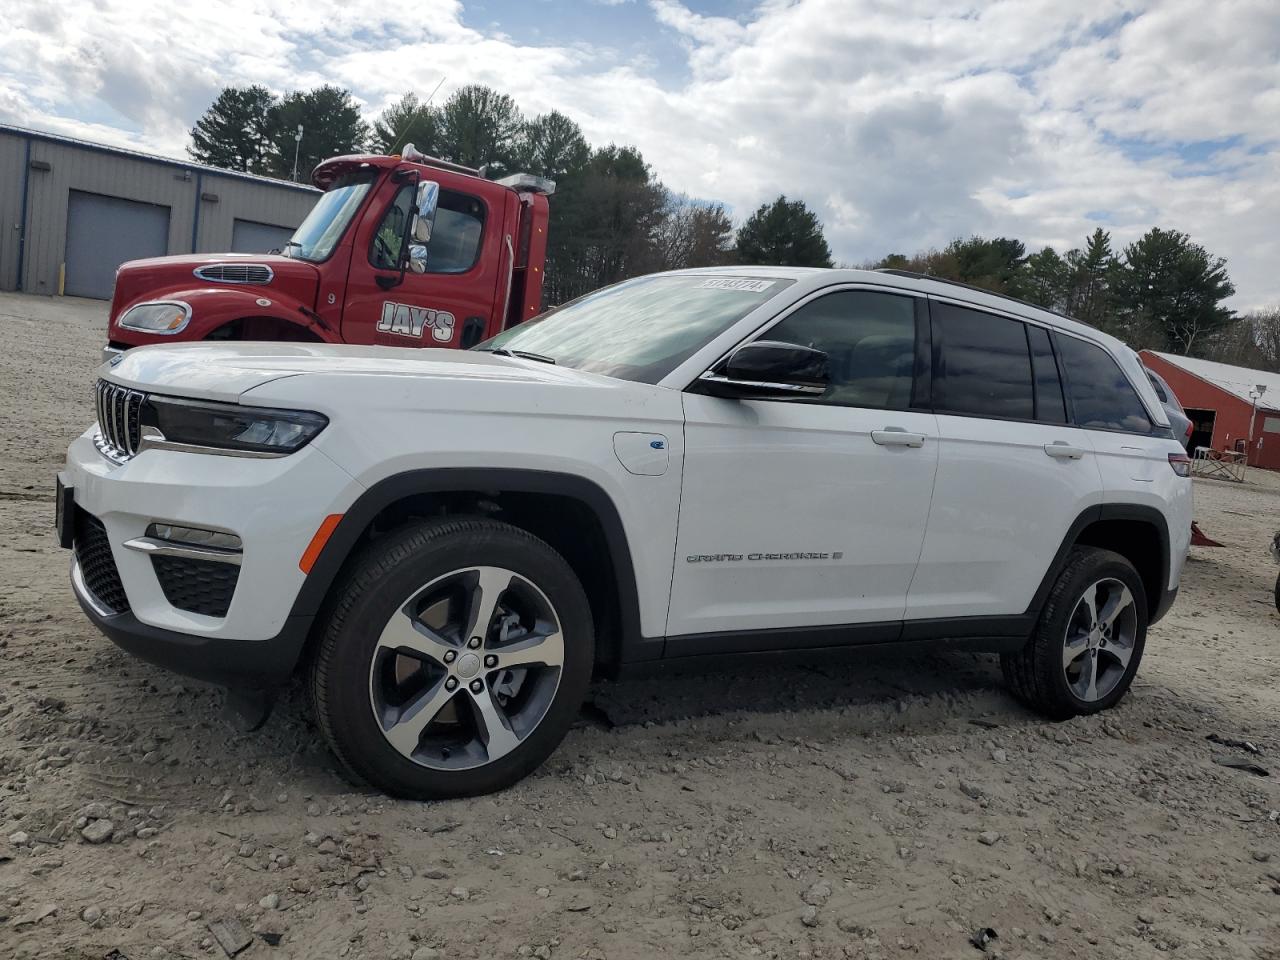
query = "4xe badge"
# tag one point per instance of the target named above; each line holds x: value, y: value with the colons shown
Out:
x: 406, y: 320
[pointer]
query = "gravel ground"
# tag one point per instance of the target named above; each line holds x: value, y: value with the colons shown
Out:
x: 878, y: 807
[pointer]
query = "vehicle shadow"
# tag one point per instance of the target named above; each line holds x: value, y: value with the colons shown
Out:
x: 966, y: 684
x: 863, y: 692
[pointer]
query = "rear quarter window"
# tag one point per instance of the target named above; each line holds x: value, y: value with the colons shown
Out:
x: 1101, y: 395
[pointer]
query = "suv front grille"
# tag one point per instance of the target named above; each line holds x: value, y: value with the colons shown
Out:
x: 119, y: 420
x: 97, y: 565
x: 235, y: 273
x: 198, y: 586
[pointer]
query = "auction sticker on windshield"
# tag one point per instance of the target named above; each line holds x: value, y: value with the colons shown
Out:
x: 729, y: 283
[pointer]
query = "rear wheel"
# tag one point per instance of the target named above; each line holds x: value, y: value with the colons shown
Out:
x: 455, y: 660
x: 1088, y: 643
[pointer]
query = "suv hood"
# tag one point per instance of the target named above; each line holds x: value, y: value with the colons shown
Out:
x: 225, y: 372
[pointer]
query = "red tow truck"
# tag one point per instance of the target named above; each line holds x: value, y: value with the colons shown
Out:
x: 401, y: 250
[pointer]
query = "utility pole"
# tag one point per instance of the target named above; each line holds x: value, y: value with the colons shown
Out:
x: 297, y: 145
x: 1255, y: 395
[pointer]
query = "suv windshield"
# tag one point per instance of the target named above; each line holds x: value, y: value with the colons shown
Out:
x: 639, y: 329
x: 315, y: 239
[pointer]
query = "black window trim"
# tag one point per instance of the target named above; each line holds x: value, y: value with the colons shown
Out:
x: 921, y: 370
x: 1057, y: 366
x: 475, y: 262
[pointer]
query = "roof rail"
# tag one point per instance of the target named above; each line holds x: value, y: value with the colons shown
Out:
x: 912, y: 274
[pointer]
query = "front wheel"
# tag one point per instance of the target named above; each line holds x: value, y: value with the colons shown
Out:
x: 1089, y: 639
x: 456, y: 658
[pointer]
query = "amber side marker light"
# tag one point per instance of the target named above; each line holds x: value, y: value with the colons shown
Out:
x: 322, y: 535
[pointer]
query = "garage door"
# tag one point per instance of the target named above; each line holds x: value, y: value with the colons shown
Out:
x: 249, y: 236
x: 104, y: 232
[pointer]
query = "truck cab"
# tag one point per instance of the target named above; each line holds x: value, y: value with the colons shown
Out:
x: 367, y: 265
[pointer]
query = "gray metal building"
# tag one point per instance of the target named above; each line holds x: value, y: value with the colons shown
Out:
x: 71, y: 211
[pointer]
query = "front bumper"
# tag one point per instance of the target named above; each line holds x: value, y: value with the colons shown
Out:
x: 274, y: 505
x: 238, y: 664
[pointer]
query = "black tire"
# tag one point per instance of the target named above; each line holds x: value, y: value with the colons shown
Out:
x: 1036, y: 674
x: 378, y: 581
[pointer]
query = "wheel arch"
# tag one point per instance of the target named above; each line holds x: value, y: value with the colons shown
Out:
x: 265, y: 327
x: 573, y: 514
x: 1137, y: 532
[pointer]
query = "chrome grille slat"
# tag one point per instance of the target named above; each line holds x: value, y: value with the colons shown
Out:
x: 235, y: 273
x: 112, y: 434
x: 119, y: 420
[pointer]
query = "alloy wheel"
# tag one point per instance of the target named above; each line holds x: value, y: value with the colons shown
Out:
x: 1099, y: 641
x: 466, y: 668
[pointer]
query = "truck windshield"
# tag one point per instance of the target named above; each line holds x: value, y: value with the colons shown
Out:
x: 639, y: 329
x: 315, y: 239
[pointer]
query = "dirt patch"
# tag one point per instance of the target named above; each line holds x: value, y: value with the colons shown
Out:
x: 880, y: 806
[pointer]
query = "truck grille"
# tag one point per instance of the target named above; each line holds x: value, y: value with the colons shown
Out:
x: 97, y: 565
x: 119, y: 420
x: 235, y: 273
x: 199, y: 586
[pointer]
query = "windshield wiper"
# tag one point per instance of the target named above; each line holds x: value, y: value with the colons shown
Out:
x: 523, y: 354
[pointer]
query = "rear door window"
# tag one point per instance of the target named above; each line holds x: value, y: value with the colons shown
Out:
x: 1101, y: 395
x: 982, y: 364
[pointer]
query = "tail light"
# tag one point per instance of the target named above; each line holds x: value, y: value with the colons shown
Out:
x: 1190, y: 428
x: 1180, y: 464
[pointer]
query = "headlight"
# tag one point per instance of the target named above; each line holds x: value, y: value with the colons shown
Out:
x: 228, y: 426
x: 158, y: 316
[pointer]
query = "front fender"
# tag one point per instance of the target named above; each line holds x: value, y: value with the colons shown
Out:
x: 213, y: 308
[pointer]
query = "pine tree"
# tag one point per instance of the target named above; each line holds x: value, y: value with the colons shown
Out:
x: 331, y: 126
x: 235, y: 132
x: 407, y: 121
x: 552, y: 145
x: 480, y: 127
x: 1170, y: 293
x: 784, y: 233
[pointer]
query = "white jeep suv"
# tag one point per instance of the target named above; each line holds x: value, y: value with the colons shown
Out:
x: 689, y: 464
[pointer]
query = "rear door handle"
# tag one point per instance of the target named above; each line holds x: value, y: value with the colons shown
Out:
x: 897, y: 437
x: 1063, y: 451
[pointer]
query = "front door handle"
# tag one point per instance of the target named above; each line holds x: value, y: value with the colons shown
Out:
x: 1063, y: 450
x: 897, y: 437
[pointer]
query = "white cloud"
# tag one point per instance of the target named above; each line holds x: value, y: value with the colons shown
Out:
x: 904, y: 122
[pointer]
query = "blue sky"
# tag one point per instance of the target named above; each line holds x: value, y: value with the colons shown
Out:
x: 904, y: 123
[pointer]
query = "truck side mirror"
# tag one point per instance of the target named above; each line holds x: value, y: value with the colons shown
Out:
x: 428, y: 197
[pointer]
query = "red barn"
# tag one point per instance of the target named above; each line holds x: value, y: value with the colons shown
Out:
x: 1217, y: 398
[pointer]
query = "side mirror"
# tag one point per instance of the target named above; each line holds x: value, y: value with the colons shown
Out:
x: 428, y: 197
x: 767, y: 369
x: 417, y: 258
